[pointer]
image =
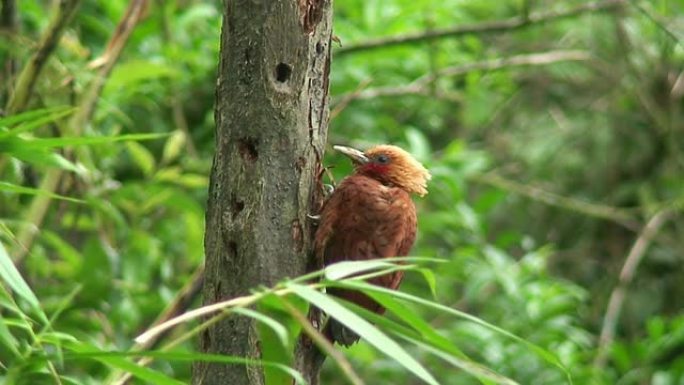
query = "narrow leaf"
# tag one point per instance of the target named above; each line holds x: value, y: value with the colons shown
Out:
x: 344, y: 269
x: 364, y: 329
x: 80, y: 351
x: 277, y: 328
x: 541, y: 352
x: 33, y: 115
x: 38, y: 121
x: 10, y: 274
x: 5, y: 186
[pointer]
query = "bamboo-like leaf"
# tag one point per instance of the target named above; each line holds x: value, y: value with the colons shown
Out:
x: 344, y: 269
x: 430, y: 279
x: 277, y: 328
x: 173, y: 146
x: 477, y: 370
x: 142, y: 157
x: 10, y: 187
x: 30, y: 120
x: 10, y: 274
x: 541, y: 352
x: 141, y: 372
x: 81, y: 351
x: 429, y: 339
x: 6, y: 337
x: 40, y: 157
x: 364, y: 329
x: 89, y: 140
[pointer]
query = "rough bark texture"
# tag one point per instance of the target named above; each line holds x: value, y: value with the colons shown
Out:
x: 271, y: 123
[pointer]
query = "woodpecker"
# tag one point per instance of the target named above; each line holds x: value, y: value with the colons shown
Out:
x: 370, y: 215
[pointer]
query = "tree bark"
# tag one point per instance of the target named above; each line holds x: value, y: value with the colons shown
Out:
x: 271, y: 127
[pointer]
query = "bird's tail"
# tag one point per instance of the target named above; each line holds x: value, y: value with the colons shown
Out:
x: 334, y: 331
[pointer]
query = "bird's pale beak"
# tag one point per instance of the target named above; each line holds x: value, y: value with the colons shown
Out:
x: 356, y: 156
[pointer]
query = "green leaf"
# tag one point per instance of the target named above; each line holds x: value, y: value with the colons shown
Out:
x: 418, y: 144
x: 274, y: 347
x: 88, y: 140
x: 173, y: 146
x: 80, y: 351
x: 541, y: 352
x: 364, y: 329
x: 477, y: 370
x: 30, y: 120
x: 126, y: 75
x: 279, y: 330
x: 429, y: 277
x: 5, y: 186
x: 10, y: 274
x: 344, y: 269
x: 142, y: 157
x: 42, y: 157
x: 432, y: 342
x: 7, y: 339
x: 138, y: 371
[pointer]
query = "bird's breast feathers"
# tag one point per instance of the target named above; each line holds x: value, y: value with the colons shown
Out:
x: 364, y: 219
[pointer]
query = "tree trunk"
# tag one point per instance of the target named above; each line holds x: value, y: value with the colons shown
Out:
x: 271, y: 126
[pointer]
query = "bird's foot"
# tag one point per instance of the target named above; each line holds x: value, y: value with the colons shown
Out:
x: 328, y: 189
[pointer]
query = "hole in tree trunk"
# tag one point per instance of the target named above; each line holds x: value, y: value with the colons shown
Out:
x: 248, y: 149
x: 283, y: 72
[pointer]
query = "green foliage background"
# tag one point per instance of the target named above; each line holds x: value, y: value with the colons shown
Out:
x: 552, y: 145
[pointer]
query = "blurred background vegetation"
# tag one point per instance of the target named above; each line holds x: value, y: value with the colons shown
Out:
x: 554, y: 131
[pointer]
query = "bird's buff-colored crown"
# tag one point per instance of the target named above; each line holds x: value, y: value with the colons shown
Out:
x: 391, y: 165
x: 403, y: 169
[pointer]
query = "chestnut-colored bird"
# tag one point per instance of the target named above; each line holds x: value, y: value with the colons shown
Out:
x: 370, y: 215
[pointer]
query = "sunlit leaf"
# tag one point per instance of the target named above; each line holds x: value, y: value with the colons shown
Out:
x: 7, y: 339
x: 33, y: 119
x: 277, y: 328
x: 10, y: 275
x: 541, y: 352
x: 5, y: 186
x: 364, y: 329
x: 129, y: 73
x: 173, y: 146
x: 80, y: 351
x: 142, y: 157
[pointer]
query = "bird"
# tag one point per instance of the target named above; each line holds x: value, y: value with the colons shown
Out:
x: 370, y: 215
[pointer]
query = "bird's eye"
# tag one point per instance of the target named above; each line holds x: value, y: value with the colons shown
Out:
x: 382, y: 159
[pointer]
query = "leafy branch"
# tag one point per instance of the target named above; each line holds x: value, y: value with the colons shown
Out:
x: 514, y: 23
x: 421, y: 86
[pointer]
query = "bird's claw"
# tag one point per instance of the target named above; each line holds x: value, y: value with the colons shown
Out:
x: 328, y: 189
x: 314, y: 218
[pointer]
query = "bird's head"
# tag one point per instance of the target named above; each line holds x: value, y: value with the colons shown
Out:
x: 390, y: 165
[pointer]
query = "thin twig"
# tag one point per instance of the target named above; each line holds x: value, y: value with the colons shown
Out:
x: 347, y: 98
x: 29, y: 74
x: 248, y: 300
x: 617, y: 215
x: 657, y: 20
x: 153, y: 332
x: 480, y: 28
x: 421, y: 85
x: 617, y: 297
